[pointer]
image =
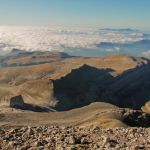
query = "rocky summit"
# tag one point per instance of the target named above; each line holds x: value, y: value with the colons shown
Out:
x: 74, y: 138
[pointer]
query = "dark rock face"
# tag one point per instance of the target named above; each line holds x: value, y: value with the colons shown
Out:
x: 132, y: 87
x: 16, y: 101
x: 88, y: 84
x: 81, y: 87
x: 136, y: 119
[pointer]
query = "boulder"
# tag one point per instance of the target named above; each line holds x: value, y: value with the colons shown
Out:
x: 16, y: 101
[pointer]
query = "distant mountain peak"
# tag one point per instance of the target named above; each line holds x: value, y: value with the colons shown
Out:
x: 15, y: 50
x: 119, y: 29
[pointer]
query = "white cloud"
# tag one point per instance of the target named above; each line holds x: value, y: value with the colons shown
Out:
x: 58, y: 38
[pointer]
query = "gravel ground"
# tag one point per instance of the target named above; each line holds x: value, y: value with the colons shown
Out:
x: 74, y: 138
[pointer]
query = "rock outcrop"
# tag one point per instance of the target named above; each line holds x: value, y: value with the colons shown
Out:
x: 16, y: 101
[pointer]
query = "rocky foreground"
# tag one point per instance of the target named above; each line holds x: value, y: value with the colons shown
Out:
x: 74, y: 138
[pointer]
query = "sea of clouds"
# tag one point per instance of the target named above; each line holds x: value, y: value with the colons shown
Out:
x: 75, y: 40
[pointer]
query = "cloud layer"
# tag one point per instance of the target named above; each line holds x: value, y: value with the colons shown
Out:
x: 61, y: 38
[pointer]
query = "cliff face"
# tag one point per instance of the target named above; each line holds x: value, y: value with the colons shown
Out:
x: 16, y: 101
x: 88, y: 84
x: 132, y: 87
x: 81, y: 87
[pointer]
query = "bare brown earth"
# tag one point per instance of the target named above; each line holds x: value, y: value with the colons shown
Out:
x: 79, y: 91
x: 98, y: 114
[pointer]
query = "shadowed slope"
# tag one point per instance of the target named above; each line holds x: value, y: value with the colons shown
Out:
x: 132, y: 88
x: 81, y: 87
x: 88, y: 84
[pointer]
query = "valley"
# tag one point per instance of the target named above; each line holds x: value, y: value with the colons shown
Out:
x: 66, y: 87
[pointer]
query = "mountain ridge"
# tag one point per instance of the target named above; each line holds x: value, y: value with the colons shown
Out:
x: 75, y: 83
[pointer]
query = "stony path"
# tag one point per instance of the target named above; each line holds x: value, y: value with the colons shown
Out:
x: 74, y: 138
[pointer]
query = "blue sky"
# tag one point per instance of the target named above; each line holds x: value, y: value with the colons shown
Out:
x: 101, y: 13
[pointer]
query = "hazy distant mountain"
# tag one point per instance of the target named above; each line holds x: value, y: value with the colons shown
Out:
x: 145, y: 42
x: 119, y: 30
x: 25, y: 58
x: 134, y: 48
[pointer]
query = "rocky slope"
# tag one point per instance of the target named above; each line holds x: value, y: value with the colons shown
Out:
x: 74, y: 138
